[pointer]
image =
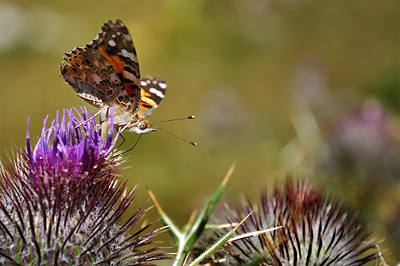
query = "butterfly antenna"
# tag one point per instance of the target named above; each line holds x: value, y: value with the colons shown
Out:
x: 134, y: 145
x: 190, y: 142
x: 174, y: 119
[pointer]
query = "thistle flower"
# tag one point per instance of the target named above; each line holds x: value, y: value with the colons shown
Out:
x: 60, y: 202
x: 316, y: 230
x: 71, y: 154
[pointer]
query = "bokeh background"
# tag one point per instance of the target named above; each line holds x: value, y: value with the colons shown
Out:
x: 285, y: 88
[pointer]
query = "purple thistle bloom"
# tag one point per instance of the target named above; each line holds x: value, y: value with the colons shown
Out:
x: 61, y: 202
x: 63, y: 150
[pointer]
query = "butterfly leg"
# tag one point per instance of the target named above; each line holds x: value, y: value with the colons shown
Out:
x: 134, y: 145
x: 123, y: 141
x: 127, y: 125
x: 84, y: 122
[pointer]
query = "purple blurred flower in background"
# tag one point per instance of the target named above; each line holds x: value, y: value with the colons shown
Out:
x: 363, y: 148
x: 60, y: 202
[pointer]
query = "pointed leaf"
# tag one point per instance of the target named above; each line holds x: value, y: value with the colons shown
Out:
x: 173, y: 229
x: 217, y: 244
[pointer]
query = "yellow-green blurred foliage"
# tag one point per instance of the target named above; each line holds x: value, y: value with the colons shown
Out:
x: 266, y: 79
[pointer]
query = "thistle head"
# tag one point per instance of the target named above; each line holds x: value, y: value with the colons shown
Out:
x: 60, y: 201
x: 65, y: 151
x: 315, y: 230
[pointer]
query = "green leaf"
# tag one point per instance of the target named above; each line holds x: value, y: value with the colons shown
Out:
x: 217, y: 244
x: 173, y: 229
x: 185, y: 238
x: 202, y: 218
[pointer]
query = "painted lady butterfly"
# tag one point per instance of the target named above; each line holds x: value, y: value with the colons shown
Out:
x: 105, y: 73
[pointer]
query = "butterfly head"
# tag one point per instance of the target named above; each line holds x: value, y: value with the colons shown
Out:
x: 141, y: 127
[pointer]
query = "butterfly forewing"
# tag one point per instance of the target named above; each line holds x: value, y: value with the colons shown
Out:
x: 152, y: 92
x: 115, y: 44
x: 101, y: 74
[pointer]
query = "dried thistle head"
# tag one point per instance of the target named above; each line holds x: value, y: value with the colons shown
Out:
x: 316, y: 230
x: 60, y: 202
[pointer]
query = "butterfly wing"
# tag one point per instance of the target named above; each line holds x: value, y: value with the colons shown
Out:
x: 95, y: 80
x: 110, y: 76
x: 152, y: 92
x: 115, y: 43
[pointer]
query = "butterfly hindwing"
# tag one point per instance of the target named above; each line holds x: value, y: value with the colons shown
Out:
x: 94, y: 80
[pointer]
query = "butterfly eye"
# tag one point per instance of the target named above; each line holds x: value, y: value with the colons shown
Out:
x: 143, y: 125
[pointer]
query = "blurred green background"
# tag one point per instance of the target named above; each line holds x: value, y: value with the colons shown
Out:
x: 269, y: 82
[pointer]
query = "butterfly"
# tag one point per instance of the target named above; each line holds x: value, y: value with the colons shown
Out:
x: 105, y: 73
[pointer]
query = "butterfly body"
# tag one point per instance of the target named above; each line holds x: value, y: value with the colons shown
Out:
x: 105, y: 73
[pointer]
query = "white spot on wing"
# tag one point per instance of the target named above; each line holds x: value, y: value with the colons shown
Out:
x: 157, y: 92
x: 162, y: 85
x: 132, y: 56
x: 127, y: 54
x: 143, y: 83
x: 112, y: 43
x: 130, y: 75
x: 124, y: 53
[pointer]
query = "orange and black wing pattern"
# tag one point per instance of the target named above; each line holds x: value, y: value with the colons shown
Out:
x: 106, y: 71
x: 152, y: 92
